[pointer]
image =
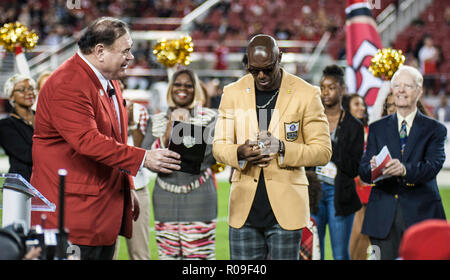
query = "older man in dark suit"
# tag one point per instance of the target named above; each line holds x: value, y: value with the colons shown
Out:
x: 416, y: 145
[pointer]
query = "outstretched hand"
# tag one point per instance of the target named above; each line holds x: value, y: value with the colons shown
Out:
x: 162, y: 161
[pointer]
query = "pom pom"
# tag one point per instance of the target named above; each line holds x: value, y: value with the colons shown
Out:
x: 13, y: 34
x: 172, y: 52
x: 386, y: 62
x: 217, y: 167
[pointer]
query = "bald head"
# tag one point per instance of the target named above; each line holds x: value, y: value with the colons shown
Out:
x: 262, y: 49
x: 264, y: 58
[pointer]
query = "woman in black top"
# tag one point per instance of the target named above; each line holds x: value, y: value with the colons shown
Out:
x: 16, y: 131
x: 339, y: 200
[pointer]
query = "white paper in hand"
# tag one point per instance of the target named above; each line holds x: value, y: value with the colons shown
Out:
x: 381, y: 160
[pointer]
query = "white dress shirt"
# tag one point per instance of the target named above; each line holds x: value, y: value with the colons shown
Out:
x: 409, y: 121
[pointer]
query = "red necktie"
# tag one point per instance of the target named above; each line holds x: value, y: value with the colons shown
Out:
x: 111, y: 92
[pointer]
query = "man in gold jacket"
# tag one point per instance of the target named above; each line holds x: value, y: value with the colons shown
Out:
x: 271, y: 125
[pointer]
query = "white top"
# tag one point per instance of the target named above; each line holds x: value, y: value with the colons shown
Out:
x: 409, y: 121
x: 424, y: 54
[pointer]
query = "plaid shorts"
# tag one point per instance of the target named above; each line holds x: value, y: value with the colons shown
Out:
x: 251, y: 243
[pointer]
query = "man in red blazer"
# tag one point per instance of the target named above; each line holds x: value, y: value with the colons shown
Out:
x: 81, y: 126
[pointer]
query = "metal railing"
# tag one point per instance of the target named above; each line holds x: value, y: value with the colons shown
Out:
x: 393, y: 20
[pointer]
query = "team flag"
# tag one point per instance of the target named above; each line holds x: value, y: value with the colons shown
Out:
x: 363, y: 41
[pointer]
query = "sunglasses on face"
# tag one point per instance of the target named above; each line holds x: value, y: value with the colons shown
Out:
x: 266, y: 71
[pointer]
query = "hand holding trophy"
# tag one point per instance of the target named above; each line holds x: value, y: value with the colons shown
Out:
x: 260, y: 152
x: 269, y: 146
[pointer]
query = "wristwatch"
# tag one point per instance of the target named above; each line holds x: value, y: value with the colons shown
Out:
x: 281, y: 147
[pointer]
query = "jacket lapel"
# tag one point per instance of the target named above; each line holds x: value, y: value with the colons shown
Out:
x: 122, y: 112
x: 283, y: 101
x: 249, y: 97
x: 103, y: 96
x: 393, y: 137
x: 284, y: 98
x: 413, y: 136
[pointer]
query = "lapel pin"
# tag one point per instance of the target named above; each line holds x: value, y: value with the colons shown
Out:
x: 289, y: 91
x: 101, y: 92
x: 248, y: 90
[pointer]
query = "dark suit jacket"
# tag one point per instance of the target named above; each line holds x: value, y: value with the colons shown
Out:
x: 16, y: 138
x: 417, y: 193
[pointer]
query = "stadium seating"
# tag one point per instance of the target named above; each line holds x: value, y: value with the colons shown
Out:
x: 432, y: 21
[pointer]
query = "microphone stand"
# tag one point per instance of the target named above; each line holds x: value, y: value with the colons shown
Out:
x: 62, y: 236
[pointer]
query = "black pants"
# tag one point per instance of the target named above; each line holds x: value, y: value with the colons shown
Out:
x: 390, y: 245
x: 97, y: 252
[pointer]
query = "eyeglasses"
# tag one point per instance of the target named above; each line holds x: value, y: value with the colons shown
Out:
x: 407, y: 86
x: 22, y: 90
x: 189, y: 86
x: 266, y: 71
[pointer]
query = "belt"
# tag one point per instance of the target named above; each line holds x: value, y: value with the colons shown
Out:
x: 185, y: 188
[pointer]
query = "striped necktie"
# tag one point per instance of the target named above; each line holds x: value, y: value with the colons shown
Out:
x: 403, y: 136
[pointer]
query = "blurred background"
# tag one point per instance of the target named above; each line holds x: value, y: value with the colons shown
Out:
x: 310, y: 33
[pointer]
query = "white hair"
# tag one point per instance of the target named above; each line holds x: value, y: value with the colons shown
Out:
x: 417, y: 76
x: 8, y: 88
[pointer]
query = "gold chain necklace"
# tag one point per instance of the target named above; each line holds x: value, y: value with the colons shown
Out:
x: 268, y: 102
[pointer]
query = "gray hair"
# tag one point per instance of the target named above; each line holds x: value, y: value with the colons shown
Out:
x: 417, y: 76
x: 8, y: 88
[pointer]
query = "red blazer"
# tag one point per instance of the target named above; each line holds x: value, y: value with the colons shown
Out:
x: 74, y: 130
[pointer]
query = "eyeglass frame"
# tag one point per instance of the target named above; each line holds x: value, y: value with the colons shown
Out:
x: 23, y: 90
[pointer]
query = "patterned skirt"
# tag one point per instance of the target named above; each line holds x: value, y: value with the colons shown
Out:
x: 186, y: 240
x: 185, y: 223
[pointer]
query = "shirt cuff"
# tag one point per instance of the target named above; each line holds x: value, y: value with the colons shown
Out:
x: 242, y: 163
x: 143, y: 160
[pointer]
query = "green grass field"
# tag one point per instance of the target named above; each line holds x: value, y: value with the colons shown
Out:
x: 222, y: 249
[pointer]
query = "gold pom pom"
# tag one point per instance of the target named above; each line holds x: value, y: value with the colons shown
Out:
x: 12, y: 34
x: 386, y: 62
x: 172, y: 52
x: 218, y: 167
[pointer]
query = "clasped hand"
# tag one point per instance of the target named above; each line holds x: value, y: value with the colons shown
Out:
x: 259, y: 152
x: 393, y: 167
